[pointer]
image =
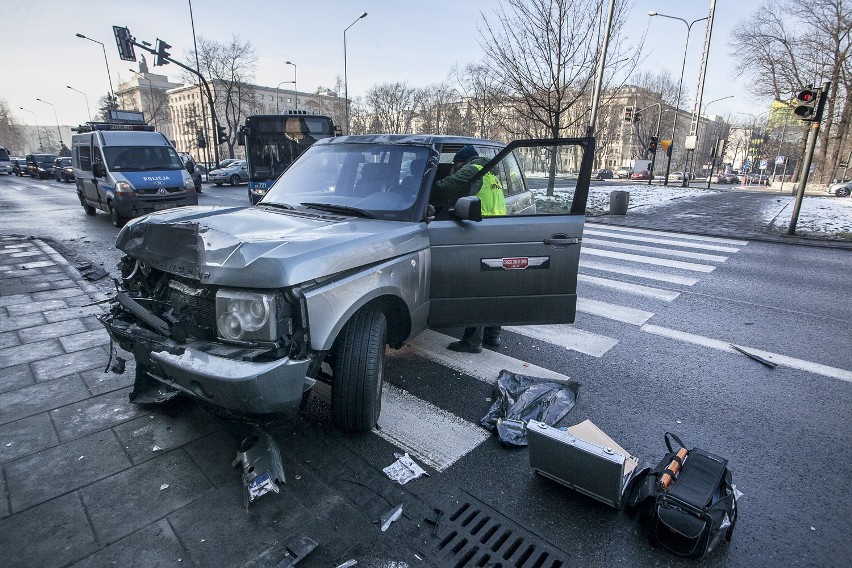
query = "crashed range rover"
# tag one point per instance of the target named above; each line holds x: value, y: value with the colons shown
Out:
x: 356, y: 247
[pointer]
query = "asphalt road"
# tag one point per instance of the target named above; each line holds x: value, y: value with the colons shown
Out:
x: 651, y: 348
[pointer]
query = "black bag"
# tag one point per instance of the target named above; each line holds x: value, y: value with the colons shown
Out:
x: 696, y: 511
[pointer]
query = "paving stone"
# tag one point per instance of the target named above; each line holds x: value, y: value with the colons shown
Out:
x: 54, y: 269
x: 84, y: 340
x: 153, y: 546
x: 214, y: 453
x: 29, y: 253
x: 7, y: 272
x: 60, y: 277
x: 91, y: 322
x: 99, y: 413
x: 18, y: 355
x: 132, y: 499
x: 42, y: 397
x: 63, y: 468
x: 53, y: 534
x: 32, y: 307
x: 15, y: 299
x: 9, y: 339
x: 12, y: 378
x: 57, y: 294
x: 165, y: 427
x: 26, y: 436
x: 54, y: 367
x: 69, y: 313
x: 100, y: 382
x: 20, y: 322
x: 51, y: 330
x: 38, y: 264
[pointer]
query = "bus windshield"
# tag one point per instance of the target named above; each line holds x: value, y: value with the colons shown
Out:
x: 274, y: 142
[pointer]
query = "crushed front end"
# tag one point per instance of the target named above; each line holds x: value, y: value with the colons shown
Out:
x: 240, y: 349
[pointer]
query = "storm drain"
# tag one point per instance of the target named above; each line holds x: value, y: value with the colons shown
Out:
x: 475, y: 535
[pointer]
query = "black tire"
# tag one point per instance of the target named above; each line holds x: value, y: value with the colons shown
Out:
x: 90, y: 211
x: 235, y: 179
x: 117, y: 220
x: 842, y: 192
x: 57, y: 177
x: 358, y: 369
x: 218, y: 184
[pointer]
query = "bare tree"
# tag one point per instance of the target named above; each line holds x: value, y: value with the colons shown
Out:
x: 433, y: 104
x: 105, y: 104
x: 485, y: 95
x: 11, y: 132
x: 392, y: 107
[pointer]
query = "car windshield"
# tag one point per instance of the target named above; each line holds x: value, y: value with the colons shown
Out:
x: 141, y: 158
x: 45, y: 159
x: 65, y: 161
x: 373, y: 180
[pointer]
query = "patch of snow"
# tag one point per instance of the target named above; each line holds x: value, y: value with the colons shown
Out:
x: 819, y: 216
x: 641, y: 195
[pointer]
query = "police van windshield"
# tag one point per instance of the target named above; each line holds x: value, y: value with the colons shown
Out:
x: 141, y: 158
x: 4, y: 155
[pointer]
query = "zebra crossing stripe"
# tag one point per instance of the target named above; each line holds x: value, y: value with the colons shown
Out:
x: 648, y: 260
x: 672, y: 242
x: 430, y: 434
x: 637, y: 272
x: 630, y: 288
x: 656, y: 250
x: 569, y: 337
x: 613, y: 311
x: 732, y: 242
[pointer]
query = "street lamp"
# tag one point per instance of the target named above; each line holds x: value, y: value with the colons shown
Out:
x: 679, y: 85
x: 59, y: 132
x: 38, y: 132
x: 295, y: 88
x: 88, y: 110
x: 276, y: 93
x: 345, y: 78
x: 109, y: 75
x: 151, y: 90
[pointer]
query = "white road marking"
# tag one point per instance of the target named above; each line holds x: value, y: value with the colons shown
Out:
x: 638, y: 272
x: 630, y: 288
x: 648, y: 260
x: 646, y: 239
x: 613, y: 311
x: 656, y: 250
x: 569, y: 337
x: 430, y: 434
x: 732, y: 242
x: 801, y: 364
x: 485, y: 366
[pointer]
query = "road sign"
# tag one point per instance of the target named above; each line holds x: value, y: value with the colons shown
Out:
x: 779, y: 160
x: 691, y: 142
x: 763, y: 164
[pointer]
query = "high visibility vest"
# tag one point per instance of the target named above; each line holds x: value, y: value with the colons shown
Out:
x: 491, y: 195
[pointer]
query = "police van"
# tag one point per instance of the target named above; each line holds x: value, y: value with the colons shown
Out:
x: 128, y: 170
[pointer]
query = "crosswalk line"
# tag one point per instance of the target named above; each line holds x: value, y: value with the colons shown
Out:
x: 648, y: 259
x: 656, y: 250
x: 637, y: 272
x: 732, y: 242
x: 629, y: 287
x: 569, y: 337
x: 647, y: 239
x: 613, y: 311
x: 437, y: 437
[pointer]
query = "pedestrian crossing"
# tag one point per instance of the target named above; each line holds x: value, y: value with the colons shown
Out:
x: 644, y: 270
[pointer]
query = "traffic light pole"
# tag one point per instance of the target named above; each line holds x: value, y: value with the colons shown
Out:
x: 656, y: 134
x: 809, y: 156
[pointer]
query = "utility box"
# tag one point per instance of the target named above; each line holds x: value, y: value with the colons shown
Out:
x: 618, y: 201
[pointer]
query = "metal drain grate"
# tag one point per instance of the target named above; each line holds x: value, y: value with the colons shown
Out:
x: 475, y: 535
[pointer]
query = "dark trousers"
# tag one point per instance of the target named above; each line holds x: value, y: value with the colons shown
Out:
x: 474, y: 336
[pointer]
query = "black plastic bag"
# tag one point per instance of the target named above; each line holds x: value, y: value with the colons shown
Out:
x: 521, y: 398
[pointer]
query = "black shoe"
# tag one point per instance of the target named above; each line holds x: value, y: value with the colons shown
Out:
x: 492, y: 342
x: 464, y: 347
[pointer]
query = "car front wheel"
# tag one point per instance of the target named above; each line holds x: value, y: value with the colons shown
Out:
x: 842, y: 191
x: 235, y: 179
x: 117, y: 220
x: 358, y: 366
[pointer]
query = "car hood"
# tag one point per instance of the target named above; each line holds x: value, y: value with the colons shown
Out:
x: 263, y: 247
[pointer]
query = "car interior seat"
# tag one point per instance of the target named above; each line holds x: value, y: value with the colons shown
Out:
x: 373, y: 179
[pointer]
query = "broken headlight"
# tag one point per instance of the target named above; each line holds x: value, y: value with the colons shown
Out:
x: 246, y: 316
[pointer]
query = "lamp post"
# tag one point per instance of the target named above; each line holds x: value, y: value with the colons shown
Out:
x: 109, y: 75
x: 276, y: 93
x: 705, y: 133
x: 38, y: 132
x: 679, y: 86
x: 295, y: 88
x: 59, y: 132
x: 345, y: 77
x: 151, y: 91
x: 88, y: 110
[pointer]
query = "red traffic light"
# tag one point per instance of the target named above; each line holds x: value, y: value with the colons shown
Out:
x: 807, y: 96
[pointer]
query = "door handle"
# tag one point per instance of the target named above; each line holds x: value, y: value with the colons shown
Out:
x: 561, y: 241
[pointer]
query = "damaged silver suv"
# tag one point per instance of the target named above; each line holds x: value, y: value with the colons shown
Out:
x: 349, y: 252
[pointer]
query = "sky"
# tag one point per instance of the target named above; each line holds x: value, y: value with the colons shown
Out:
x: 415, y: 42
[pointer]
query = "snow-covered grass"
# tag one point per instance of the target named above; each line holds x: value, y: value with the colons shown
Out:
x: 640, y: 195
x: 828, y: 217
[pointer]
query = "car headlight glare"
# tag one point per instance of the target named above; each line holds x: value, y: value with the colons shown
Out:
x: 123, y: 187
x: 189, y: 184
x: 246, y: 316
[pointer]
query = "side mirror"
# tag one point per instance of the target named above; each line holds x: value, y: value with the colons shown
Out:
x: 99, y: 170
x: 468, y: 208
x: 190, y: 167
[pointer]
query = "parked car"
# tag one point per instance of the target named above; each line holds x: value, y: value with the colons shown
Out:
x: 193, y: 168
x: 640, y: 175
x: 602, y: 174
x: 19, y: 166
x: 758, y: 179
x: 731, y: 178
x: 678, y: 176
x: 63, y: 170
x: 623, y: 172
x: 234, y: 173
x: 40, y: 165
x: 245, y: 308
x: 840, y: 189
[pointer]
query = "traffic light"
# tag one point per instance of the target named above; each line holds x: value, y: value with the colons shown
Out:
x: 161, y: 57
x: 200, y: 141
x: 652, y: 145
x: 667, y: 146
x: 222, y: 135
x: 125, y: 43
x: 637, y: 116
x: 808, y: 99
x: 628, y: 114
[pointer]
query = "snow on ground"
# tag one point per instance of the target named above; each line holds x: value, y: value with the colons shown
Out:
x: 640, y: 195
x: 819, y: 216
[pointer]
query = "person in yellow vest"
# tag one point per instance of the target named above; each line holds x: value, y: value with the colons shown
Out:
x: 466, y: 164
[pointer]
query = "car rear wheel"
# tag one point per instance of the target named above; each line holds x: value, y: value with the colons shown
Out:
x: 358, y: 367
x: 235, y: 179
x: 117, y: 220
x: 86, y: 207
x: 218, y: 184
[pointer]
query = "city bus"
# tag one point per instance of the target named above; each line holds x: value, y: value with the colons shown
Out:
x: 274, y: 141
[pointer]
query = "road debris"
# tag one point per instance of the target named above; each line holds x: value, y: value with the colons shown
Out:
x: 262, y: 467
x: 347, y: 564
x: 404, y: 469
x: 164, y: 486
x: 754, y: 356
x: 390, y: 517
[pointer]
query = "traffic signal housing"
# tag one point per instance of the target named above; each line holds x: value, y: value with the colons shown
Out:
x: 200, y: 141
x: 637, y: 116
x: 667, y: 146
x: 628, y: 114
x: 221, y: 134
x: 808, y: 99
x: 125, y: 43
x: 162, y: 55
x: 652, y: 145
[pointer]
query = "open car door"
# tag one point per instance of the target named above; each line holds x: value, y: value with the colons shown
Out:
x: 521, y: 267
